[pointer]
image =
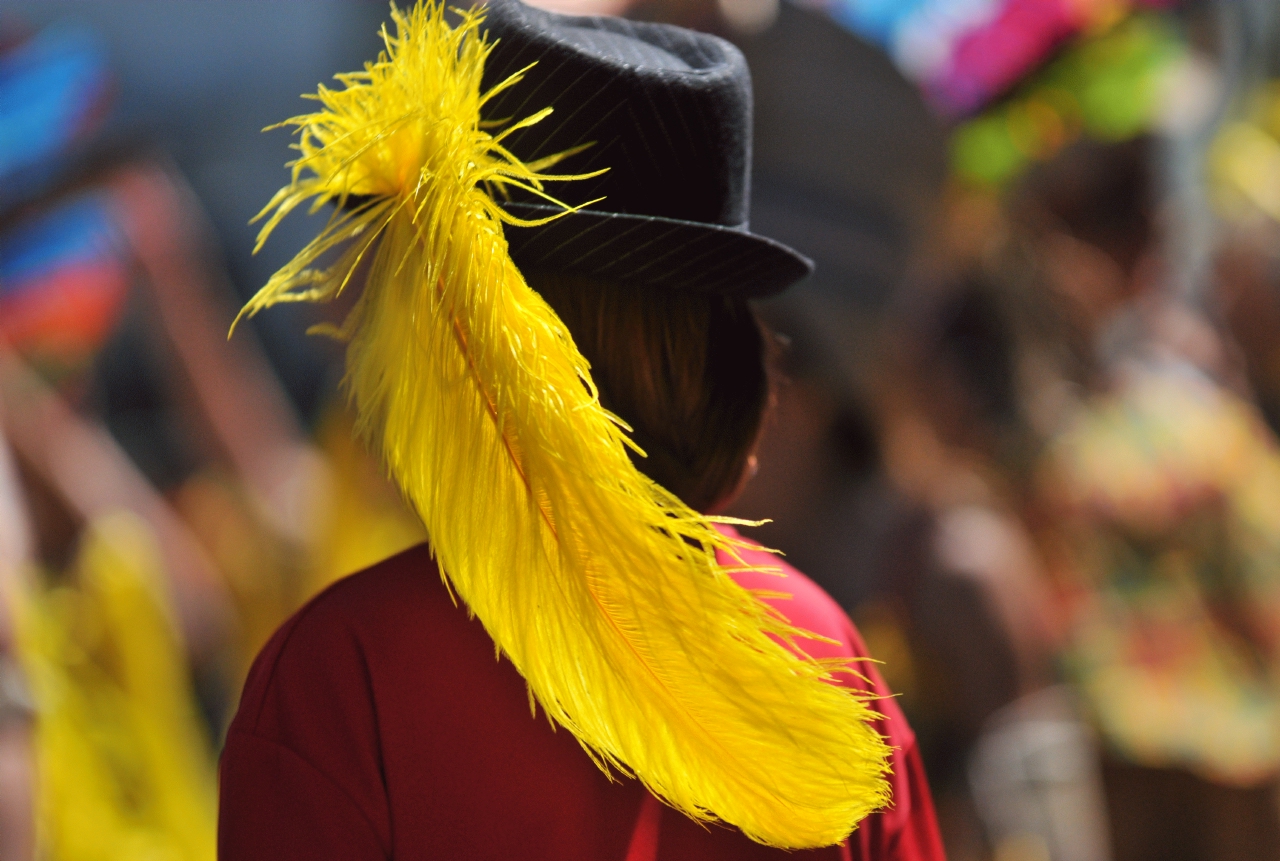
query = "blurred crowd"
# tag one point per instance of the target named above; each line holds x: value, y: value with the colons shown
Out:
x: 1025, y: 427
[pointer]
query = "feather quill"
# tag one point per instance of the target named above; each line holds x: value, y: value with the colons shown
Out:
x: 601, y: 587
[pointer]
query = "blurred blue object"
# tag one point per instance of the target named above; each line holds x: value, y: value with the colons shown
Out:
x: 78, y: 231
x: 53, y: 95
x: 875, y: 20
x: 64, y: 277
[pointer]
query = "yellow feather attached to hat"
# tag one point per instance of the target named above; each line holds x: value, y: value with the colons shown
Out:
x: 601, y: 587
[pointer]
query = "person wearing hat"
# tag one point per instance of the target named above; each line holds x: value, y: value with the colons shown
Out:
x: 566, y: 390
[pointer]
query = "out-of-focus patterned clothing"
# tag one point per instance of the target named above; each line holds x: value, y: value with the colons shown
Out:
x: 1172, y: 485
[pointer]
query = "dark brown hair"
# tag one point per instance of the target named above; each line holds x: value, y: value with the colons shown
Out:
x: 687, y: 371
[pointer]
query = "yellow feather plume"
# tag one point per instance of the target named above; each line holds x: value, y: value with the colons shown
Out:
x: 601, y: 587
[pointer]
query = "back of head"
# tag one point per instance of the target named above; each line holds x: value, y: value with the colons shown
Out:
x: 687, y: 371
x: 1098, y: 192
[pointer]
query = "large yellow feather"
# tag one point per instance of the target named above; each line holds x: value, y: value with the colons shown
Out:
x: 601, y: 587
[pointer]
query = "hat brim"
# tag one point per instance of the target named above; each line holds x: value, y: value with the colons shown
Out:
x: 650, y: 251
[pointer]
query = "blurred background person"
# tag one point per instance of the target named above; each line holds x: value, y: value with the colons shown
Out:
x: 1147, y: 490
x: 177, y: 509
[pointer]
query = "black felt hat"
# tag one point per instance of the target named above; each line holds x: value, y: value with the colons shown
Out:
x: 668, y: 111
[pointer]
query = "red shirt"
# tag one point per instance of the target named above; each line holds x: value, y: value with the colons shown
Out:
x: 378, y: 724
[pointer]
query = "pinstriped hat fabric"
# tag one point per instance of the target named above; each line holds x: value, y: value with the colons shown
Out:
x: 668, y: 112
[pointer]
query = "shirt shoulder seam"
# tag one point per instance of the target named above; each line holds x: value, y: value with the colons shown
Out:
x: 291, y: 628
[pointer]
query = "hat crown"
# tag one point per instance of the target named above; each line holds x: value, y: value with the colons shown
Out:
x: 666, y: 110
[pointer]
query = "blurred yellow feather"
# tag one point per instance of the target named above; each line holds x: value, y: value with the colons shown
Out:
x: 125, y: 770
